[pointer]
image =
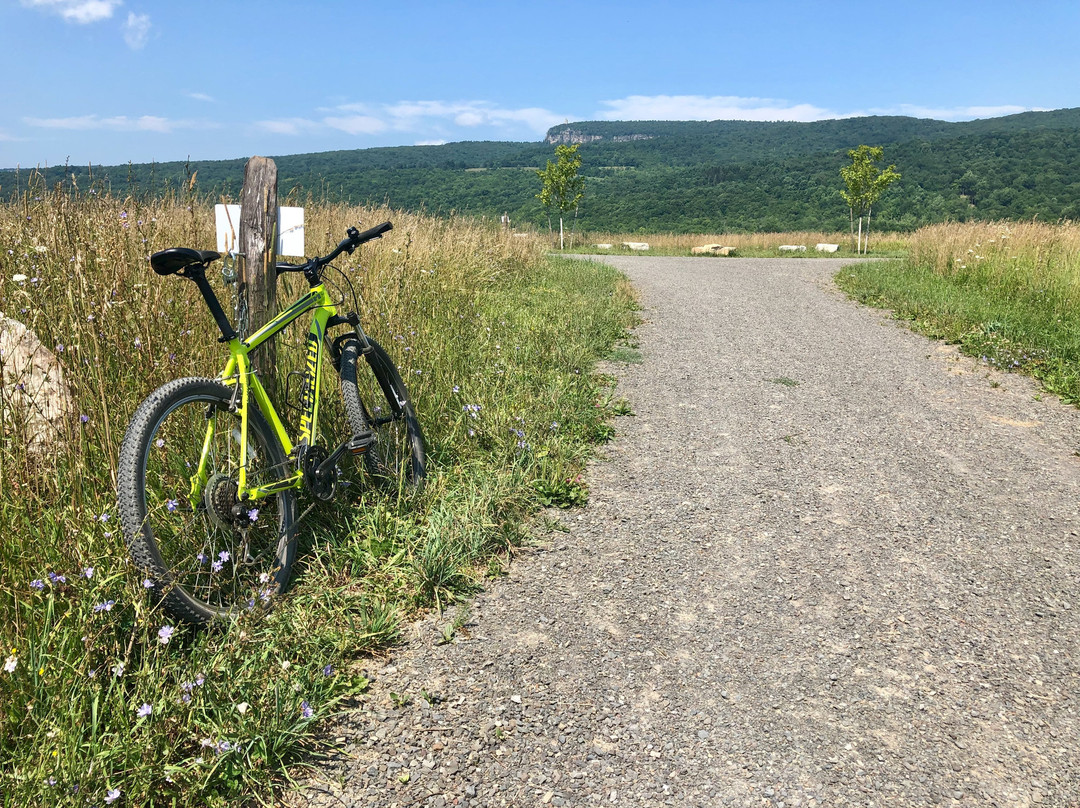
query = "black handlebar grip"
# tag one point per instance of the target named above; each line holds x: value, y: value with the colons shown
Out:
x: 372, y: 233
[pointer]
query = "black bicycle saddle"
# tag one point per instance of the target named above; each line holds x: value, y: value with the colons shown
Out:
x: 174, y: 259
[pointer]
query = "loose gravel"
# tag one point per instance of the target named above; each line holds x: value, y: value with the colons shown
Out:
x: 826, y: 562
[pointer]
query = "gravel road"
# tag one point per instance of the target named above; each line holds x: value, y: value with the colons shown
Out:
x: 826, y: 562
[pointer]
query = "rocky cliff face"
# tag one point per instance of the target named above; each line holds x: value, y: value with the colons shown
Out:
x: 572, y: 136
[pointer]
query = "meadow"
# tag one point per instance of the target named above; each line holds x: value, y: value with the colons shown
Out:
x: 747, y: 245
x: 102, y: 699
x: 1007, y: 293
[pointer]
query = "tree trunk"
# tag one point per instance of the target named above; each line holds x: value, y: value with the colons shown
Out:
x: 256, y: 289
x: 560, y: 233
x: 859, y: 251
x: 851, y: 218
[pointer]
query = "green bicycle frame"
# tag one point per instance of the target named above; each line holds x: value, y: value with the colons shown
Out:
x: 246, y: 384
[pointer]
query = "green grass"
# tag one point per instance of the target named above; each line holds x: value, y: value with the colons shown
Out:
x: 626, y: 354
x: 1004, y: 313
x: 498, y: 345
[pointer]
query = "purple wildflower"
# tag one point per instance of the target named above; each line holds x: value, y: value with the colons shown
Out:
x: 145, y: 710
x: 165, y: 634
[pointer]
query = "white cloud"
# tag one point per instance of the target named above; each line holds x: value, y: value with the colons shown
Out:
x: 469, y: 118
x: 82, y: 12
x: 708, y: 108
x: 202, y: 97
x: 288, y: 126
x: 724, y: 107
x: 430, y: 120
x: 137, y: 30
x: 430, y: 143
x: 118, y: 123
x: 411, y: 115
x: 408, y: 110
x: 356, y: 124
x: 951, y: 113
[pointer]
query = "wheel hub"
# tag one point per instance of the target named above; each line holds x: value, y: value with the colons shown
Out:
x: 219, y: 497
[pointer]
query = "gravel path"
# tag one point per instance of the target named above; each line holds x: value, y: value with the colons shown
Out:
x: 827, y: 562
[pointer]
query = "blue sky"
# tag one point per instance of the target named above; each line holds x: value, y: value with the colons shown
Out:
x: 112, y: 81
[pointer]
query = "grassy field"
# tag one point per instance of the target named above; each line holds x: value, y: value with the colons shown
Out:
x: 747, y: 245
x: 1007, y: 293
x: 99, y: 702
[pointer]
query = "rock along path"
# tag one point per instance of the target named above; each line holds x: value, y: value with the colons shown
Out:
x: 826, y: 562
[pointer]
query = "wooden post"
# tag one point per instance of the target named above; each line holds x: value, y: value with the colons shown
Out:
x: 256, y: 290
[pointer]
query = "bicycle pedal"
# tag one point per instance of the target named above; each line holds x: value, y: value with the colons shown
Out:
x: 360, y: 443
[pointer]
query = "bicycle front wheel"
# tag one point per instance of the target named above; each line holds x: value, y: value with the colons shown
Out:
x: 206, y: 553
x: 376, y: 400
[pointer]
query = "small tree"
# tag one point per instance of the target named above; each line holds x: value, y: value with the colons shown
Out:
x: 865, y: 184
x: 562, y: 187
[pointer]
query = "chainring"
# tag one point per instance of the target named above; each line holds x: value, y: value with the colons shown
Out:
x: 323, y: 486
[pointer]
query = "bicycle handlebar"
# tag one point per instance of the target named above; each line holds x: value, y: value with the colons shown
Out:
x: 348, y: 244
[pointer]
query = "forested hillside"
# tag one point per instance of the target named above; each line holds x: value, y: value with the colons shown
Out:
x: 684, y: 176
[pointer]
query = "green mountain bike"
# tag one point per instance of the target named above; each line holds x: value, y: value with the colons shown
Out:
x: 209, y: 476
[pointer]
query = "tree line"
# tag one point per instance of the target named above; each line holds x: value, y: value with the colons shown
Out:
x: 687, y: 177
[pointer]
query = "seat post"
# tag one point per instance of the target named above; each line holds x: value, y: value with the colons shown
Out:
x: 197, y: 273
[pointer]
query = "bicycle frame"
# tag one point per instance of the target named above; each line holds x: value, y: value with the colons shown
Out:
x: 239, y: 375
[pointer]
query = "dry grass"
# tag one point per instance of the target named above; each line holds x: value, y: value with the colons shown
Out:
x: 752, y: 243
x: 1032, y: 255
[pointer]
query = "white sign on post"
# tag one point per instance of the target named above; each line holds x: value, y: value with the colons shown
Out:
x: 290, y: 230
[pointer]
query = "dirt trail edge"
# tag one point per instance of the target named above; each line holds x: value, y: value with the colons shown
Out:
x: 826, y: 562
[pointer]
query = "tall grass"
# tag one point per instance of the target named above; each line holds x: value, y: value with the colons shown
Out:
x: 1006, y: 292
x: 747, y: 244
x: 100, y: 696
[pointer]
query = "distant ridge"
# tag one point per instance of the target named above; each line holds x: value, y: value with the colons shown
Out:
x: 686, y: 175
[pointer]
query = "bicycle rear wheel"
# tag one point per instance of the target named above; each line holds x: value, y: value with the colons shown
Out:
x: 206, y: 553
x: 376, y: 400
